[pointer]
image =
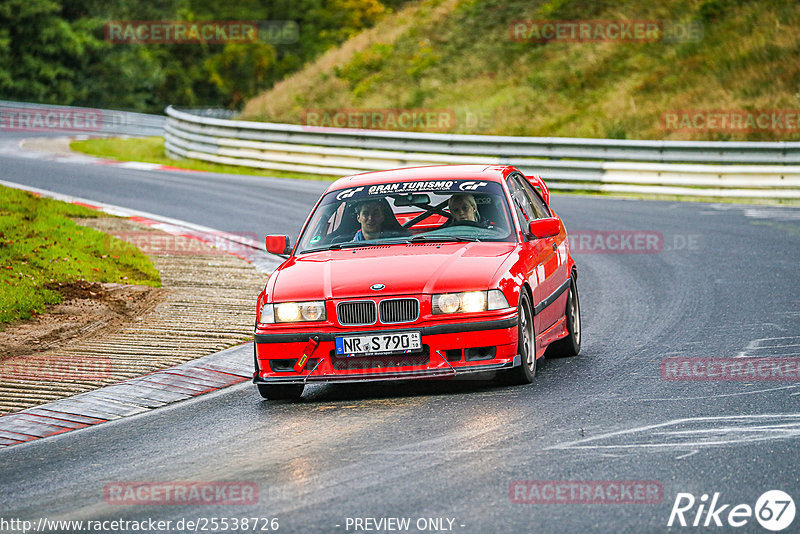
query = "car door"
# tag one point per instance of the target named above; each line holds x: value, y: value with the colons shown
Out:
x: 558, y: 264
x: 540, y: 258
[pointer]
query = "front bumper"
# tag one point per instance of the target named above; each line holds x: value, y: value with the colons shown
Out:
x: 449, y: 350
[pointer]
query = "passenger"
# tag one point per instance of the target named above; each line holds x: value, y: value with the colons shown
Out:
x: 463, y: 208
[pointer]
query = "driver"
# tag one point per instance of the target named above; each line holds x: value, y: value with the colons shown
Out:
x: 463, y: 207
x: 377, y: 221
x: 371, y: 216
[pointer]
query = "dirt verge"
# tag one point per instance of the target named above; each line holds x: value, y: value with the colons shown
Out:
x: 87, y: 309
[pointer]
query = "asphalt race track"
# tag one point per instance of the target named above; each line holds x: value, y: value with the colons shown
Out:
x: 724, y: 283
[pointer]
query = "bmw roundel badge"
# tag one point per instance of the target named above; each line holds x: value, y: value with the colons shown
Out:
x: 377, y: 287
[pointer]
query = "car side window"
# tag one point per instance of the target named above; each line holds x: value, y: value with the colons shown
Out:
x: 522, y: 204
x: 539, y: 207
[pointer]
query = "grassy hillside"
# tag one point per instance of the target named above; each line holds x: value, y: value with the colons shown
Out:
x: 458, y: 55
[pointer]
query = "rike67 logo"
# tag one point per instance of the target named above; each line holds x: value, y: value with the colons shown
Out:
x: 774, y: 511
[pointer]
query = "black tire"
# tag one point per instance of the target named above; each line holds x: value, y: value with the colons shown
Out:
x: 526, y: 343
x: 570, y: 345
x: 281, y: 391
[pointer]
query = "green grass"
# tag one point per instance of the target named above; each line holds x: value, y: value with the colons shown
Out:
x: 151, y: 150
x: 41, y: 246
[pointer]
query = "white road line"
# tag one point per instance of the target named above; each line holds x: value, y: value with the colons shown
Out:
x: 744, y: 419
x: 761, y: 344
x: 720, y: 395
x: 791, y: 427
x: 138, y: 165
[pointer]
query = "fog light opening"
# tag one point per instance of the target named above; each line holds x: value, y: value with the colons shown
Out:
x: 480, y: 353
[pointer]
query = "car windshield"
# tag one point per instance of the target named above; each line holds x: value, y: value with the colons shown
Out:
x: 414, y: 211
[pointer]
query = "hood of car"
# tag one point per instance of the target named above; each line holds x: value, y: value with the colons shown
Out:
x: 401, y: 269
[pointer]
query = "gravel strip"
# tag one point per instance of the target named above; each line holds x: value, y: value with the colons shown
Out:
x: 209, y: 305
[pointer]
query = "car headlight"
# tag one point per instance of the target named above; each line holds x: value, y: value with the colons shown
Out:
x: 293, y: 312
x: 446, y: 303
x: 469, y: 301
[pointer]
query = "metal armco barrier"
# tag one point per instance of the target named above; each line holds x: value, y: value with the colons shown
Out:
x: 55, y: 119
x: 716, y: 169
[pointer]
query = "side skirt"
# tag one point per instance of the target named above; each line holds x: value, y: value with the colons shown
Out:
x: 554, y: 333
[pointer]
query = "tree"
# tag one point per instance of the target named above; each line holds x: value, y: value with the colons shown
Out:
x: 54, y: 51
x: 241, y: 70
x: 37, y: 50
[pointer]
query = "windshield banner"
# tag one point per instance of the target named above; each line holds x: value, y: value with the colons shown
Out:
x: 435, y: 186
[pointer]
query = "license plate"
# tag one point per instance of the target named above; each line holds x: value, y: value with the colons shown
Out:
x: 376, y: 344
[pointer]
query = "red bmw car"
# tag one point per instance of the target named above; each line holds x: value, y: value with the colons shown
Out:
x: 437, y: 271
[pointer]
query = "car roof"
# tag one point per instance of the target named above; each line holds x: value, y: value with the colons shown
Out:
x: 494, y: 173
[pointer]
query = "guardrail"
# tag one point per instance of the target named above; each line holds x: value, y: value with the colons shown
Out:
x: 713, y: 169
x: 46, y: 118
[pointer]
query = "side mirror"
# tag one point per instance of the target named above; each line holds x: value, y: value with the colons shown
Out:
x: 537, y: 182
x: 279, y: 244
x: 542, y: 228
